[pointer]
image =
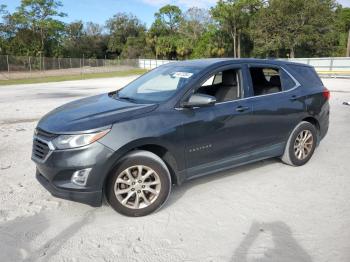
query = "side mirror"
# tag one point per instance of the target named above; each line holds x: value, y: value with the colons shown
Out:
x: 199, y: 100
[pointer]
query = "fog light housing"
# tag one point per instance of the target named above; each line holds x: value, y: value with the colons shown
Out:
x: 80, y: 177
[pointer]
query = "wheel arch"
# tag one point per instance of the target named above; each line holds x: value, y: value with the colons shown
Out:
x: 165, y: 154
x: 314, y: 121
x: 150, y: 145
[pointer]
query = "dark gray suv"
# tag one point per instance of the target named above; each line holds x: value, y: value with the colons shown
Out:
x: 177, y: 122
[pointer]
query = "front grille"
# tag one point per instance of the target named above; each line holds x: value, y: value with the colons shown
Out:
x: 42, y: 145
x: 40, y: 149
x: 44, y: 134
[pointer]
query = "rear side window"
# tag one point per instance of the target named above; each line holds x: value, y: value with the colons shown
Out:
x: 287, y: 81
x: 269, y: 80
x: 265, y: 80
x: 307, y: 75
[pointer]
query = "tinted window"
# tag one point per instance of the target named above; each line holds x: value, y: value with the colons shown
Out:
x: 307, y: 75
x: 266, y: 80
x: 287, y: 81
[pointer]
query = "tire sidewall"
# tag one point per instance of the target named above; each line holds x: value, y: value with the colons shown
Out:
x: 303, y: 126
x: 149, y: 160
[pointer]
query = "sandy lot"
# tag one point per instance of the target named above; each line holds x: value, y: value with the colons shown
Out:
x: 265, y: 211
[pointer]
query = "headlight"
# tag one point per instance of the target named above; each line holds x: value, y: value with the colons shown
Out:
x: 72, y: 141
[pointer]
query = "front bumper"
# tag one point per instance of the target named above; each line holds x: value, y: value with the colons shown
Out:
x: 90, y: 198
x: 56, y: 171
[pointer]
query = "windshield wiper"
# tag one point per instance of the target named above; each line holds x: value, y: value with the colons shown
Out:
x: 130, y: 99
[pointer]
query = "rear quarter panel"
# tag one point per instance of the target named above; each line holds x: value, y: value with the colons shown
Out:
x: 317, y: 106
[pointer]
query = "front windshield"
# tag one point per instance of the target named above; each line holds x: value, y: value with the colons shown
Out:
x: 158, y: 85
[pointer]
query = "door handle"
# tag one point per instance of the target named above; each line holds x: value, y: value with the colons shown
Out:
x: 242, y: 108
x: 293, y: 98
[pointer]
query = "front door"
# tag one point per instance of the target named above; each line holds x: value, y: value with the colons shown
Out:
x: 215, y: 134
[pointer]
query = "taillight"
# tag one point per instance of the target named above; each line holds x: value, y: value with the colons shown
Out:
x: 326, y: 94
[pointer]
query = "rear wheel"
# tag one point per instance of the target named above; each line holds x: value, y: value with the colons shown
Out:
x: 301, y: 144
x: 139, y: 185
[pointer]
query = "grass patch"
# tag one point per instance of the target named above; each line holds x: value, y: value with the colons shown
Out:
x: 72, y: 77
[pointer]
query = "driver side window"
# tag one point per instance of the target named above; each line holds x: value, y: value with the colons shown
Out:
x: 224, y: 86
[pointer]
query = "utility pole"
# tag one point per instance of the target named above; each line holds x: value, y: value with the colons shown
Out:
x: 348, y: 47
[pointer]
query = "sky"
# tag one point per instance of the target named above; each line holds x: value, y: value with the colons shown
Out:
x: 98, y: 11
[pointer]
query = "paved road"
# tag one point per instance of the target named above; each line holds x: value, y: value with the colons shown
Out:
x: 265, y: 211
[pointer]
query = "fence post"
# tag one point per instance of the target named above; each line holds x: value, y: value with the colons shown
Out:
x: 59, y: 63
x: 70, y: 62
x: 30, y: 66
x: 81, y: 73
x: 82, y: 69
x: 8, y: 66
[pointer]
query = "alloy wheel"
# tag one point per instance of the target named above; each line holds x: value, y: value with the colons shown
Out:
x: 303, y: 144
x: 137, y: 187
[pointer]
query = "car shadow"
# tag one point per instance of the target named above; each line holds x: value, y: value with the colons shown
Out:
x: 16, y: 237
x: 270, y: 242
x: 179, y: 191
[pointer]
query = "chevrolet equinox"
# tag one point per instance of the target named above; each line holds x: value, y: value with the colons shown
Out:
x: 177, y: 122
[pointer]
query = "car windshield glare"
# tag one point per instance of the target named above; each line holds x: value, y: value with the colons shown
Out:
x: 158, y: 85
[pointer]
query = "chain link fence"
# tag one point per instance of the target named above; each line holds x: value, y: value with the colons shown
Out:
x: 21, y: 67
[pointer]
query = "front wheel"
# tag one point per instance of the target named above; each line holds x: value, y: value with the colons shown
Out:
x: 139, y: 185
x: 301, y: 144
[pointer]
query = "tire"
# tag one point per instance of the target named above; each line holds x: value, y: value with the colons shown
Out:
x: 133, y: 195
x: 297, y: 153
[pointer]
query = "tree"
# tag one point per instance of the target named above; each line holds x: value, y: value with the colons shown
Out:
x: 343, y: 27
x: 84, y: 40
x: 212, y: 43
x: 162, y: 36
x: 95, y: 43
x: 3, y: 29
x: 168, y: 20
x: 194, y: 23
x: 73, y: 38
x: 134, y: 47
x: 264, y: 28
x: 233, y: 17
x: 166, y: 47
x: 121, y: 27
x: 184, y: 47
x: 40, y: 16
x: 306, y: 29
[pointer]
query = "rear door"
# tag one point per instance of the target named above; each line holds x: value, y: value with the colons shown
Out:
x: 274, y: 97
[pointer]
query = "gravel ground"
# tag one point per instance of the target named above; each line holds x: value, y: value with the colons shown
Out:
x: 265, y: 211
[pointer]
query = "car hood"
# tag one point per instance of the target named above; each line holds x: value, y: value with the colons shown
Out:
x: 90, y: 113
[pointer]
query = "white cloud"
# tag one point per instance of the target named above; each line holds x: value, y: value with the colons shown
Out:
x: 182, y: 3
